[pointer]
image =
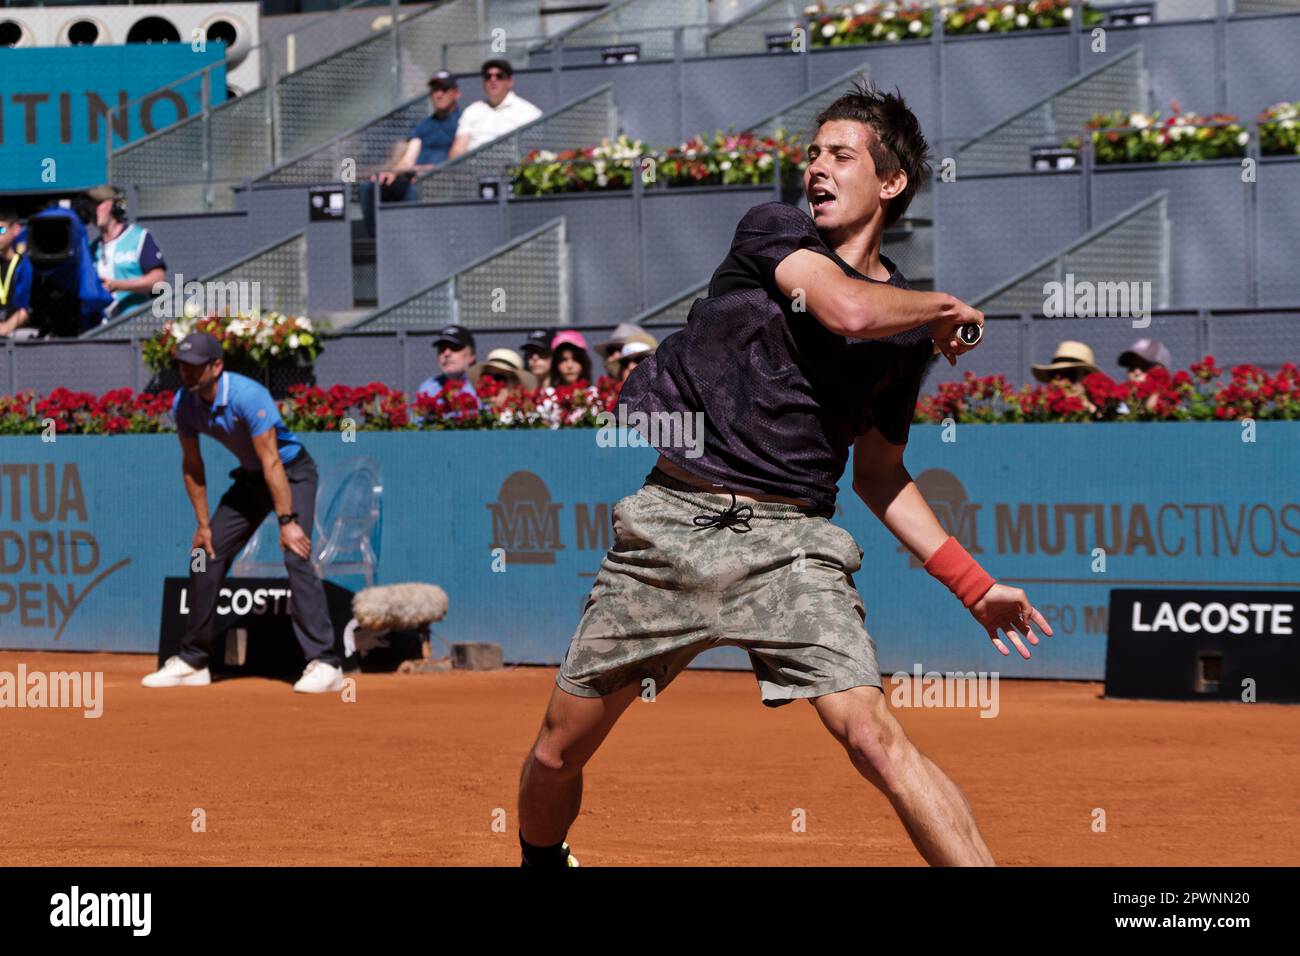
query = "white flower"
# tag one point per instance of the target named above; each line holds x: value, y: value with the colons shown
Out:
x: 887, y: 15
x: 602, y: 180
x: 1243, y: 138
x: 946, y: 12
x: 810, y: 10
x: 914, y: 26
x: 982, y: 26
x: 1008, y: 10
x: 828, y: 30
x: 1140, y: 120
x: 1288, y: 124
x: 860, y: 8
x: 293, y: 341
x: 275, y: 350
x: 724, y: 165
x: 1022, y: 20
x: 765, y: 160
x: 1068, y: 13
x: 877, y: 30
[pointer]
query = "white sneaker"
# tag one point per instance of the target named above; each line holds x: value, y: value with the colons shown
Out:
x: 320, y: 678
x: 176, y: 673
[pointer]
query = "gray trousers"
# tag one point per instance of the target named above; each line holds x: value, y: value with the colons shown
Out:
x: 242, y: 509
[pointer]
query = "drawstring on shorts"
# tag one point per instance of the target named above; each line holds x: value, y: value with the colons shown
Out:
x: 737, y: 519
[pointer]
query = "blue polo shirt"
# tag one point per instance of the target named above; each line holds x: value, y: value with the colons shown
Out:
x: 436, y: 136
x: 240, y: 411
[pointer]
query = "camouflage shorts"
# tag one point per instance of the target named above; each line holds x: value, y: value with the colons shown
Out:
x: 670, y: 588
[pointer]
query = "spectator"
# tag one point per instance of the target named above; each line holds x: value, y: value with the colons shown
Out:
x: 1139, y: 359
x: 628, y: 356
x: 570, y: 361
x: 537, y: 353
x: 455, y: 346
x: 1142, y: 356
x: 127, y: 258
x: 430, y: 144
x: 15, y: 276
x: 1070, y: 365
x: 626, y: 332
x: 500, y: 111
x: 506, y: 367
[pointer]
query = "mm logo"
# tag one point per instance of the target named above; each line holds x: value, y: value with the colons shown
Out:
x: 525, y: 522
x: 947, y: 498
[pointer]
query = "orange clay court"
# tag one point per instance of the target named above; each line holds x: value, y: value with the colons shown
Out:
x: 411, y: 773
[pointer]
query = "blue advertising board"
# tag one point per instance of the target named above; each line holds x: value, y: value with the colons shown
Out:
x: 54, y: 101
x: 90, y: 527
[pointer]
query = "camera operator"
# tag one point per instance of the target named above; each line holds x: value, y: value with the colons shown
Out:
x: 15, y: 276
x: 127, y: 257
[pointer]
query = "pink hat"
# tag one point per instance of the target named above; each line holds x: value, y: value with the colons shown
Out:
x: 570, y: 336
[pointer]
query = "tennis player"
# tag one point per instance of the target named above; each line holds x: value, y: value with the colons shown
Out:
x: 810, y: 341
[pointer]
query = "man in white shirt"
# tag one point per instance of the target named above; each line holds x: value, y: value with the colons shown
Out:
x: 498, y: 113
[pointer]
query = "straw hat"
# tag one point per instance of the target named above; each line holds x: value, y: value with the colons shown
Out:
x: 504, y: 360
x: 1069, y: 355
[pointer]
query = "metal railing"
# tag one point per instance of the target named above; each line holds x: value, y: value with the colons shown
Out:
x: 1266, y: 337
x: 279, y: 270
x: 1132, y: 247
x: 512, y: 286
x: 587, y: 119
x: 291, y: 113
x: 1120, y: 84
x: 673, y: 310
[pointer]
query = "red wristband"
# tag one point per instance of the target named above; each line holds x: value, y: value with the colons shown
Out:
x: 961, y: 574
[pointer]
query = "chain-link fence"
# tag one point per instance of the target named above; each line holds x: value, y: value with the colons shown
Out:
x: 523, y: 284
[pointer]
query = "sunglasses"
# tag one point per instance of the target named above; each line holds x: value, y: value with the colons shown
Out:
x: 495, y: 75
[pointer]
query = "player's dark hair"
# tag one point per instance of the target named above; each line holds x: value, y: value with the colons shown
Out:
x: 897, y: 143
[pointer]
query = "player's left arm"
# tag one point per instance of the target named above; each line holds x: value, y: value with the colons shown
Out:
x: 884, y: 484
x: 292, y: 537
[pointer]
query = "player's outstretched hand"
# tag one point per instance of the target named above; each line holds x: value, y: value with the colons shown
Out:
x: 1008, y: 609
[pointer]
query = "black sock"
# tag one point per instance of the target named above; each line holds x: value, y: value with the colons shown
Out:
x: 543, y: 855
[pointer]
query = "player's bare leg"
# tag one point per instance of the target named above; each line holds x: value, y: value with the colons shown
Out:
x: 550, y: 784
x: 934, y: 811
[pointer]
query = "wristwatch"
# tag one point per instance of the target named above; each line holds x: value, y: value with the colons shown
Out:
x: 285, y: 519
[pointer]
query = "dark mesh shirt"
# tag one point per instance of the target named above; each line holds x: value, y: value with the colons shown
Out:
x: 783, y: 396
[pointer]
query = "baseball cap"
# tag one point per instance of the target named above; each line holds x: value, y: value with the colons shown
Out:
x: 1147, y: 350
x: 457, y: 335
x: 198, y: 348
x: 105, y: 192
x: 571, y: 337
x: 502, y: 65
x: 443, y: 80
x: 538, y: 339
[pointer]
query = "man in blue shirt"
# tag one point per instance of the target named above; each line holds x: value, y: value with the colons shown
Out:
x: 455, y: 347
x: 275, y: 472
x: 15, y: 277
x: 428, y: 145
